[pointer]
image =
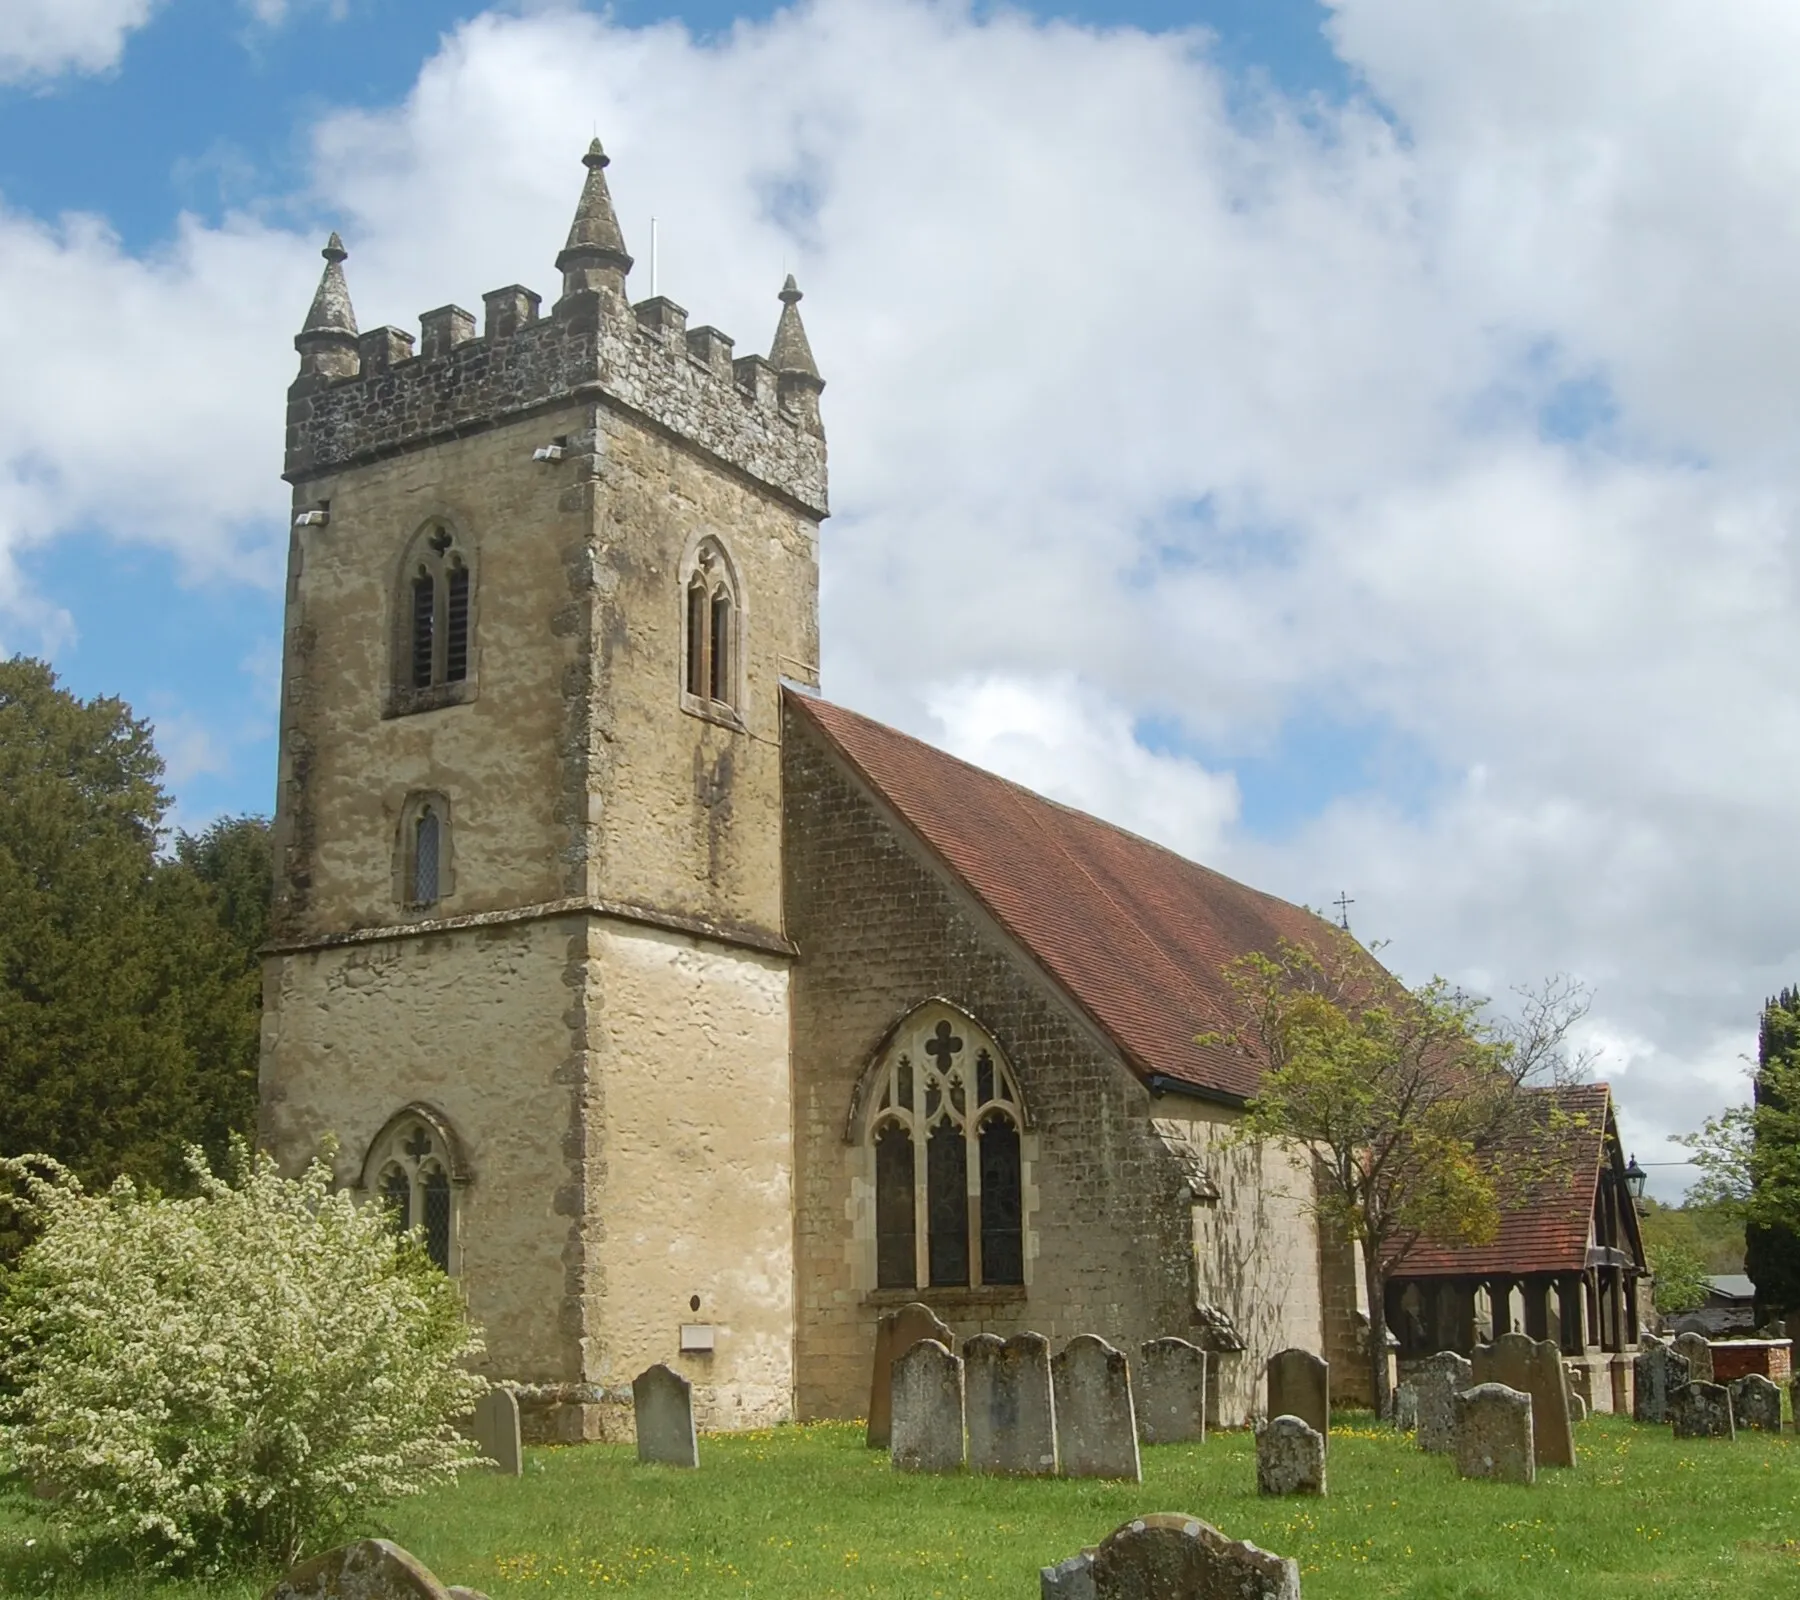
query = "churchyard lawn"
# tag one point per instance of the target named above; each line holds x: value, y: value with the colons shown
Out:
x: 808, y: 1513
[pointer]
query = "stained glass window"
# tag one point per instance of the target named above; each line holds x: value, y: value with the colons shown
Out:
x: 1002, y: 1211
x: 947, y: 1204
x: 437, y: 1217
x: 896, y: 1249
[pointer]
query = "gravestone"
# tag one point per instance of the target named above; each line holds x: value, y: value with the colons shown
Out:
x: 1438, y: 1380
x: 1755, y: 1403
x: 1290, y: 1457
x: 1169, y: 1392
x: 928, y: 1410
x: 1405, y: 1410
x: 1493, y: 1434
x: 1299, y: 1385
x: 370, y: 1569
x: 895, y: 1334
x: 1533, y: 1367
x: 1577, y: 1408
x: 662, y: 1404
x: 1096, y: 1431
x: 1699, y: 1356
x: 496, y: 1431
x: 1701, y: 1410
x: 1168, y: 1556
x: 1659, y: 1369
x: 1010, y: 1405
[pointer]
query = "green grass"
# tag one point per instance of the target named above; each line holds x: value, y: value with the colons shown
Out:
x: 806, y: 1513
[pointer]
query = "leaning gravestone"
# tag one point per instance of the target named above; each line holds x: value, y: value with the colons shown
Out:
x: 1290, y: 1457
x: 495, y: 1427
x: 1534, y: 1367
x: 895, y: 1334
x: 1167, y: 1556
x: 662, y: 1403
x: 1699, y: 1356
x: 1300, y: 1386
x: 1659, y: 1370
x: 1755, y: 1403
x: 1493, y: 1434
x: 370, y: 1569
x: 1168, y: 1391
x: 1096, y: 1430
x: 1010, y: 1405
x: 1702, y: 1411
x: 928, y: 1410
x: 1437, y: 1382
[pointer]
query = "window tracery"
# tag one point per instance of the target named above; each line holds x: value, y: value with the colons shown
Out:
x: 434, y: 645
x: 410, y: 1172
x: 946, y: 1215
x: 712, y: 634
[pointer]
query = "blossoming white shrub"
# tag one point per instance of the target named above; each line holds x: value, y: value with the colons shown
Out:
x: 245, y: 1372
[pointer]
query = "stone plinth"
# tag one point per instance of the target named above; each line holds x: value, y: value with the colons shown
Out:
x: 1740, y: 1358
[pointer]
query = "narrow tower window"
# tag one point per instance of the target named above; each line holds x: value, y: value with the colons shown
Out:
x: 721, y: 645
x: 696, y: 638
x: 712, y: 632
x: 434, y: 651
x: 424, y: 854
x: 426, y: 839
x: 424, y: 607
x: 456, y: 645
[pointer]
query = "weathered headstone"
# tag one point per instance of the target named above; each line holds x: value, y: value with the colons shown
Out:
x: 1010, y: 1405
x: 1096, y: 1431
x: 495, y: 1427
x: 1701, y: 1411
x: 370, y: 1569
x: 1405, y: 1409
x: 1300, y: 1386
x: 1699, y: 1356
x: 928, y: 1409
x: 1534, y: 1367
x: 1493, y: 1434
x: 1577, y: 1408
x: 895, y: 1334
x: 1755, y: 1403
x: 1168, y: 1556
x: 1290, y: 1457
x: 1438, y: 1380
x: 1168, y: 1390
x: 662, y: 1403
x: 1660, y: 1369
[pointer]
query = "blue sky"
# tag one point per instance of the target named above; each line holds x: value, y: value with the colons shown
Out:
x: 1353, y: 446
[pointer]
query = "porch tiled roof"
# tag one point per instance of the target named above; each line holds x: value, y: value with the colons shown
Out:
x: 1136, y: 935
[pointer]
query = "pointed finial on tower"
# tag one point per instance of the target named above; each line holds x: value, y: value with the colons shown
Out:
x: 595, y: 255
x: 790, y: 352
x: 327, y: 339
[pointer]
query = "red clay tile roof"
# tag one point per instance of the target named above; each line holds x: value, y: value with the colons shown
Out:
x: 1135, y: 934
x: 1549, y: 1231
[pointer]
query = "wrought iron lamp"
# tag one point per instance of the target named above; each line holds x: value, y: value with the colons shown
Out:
x: 1634, y: 1180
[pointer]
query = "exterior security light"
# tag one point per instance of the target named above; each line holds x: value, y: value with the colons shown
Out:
x: 312, y: 519
x: 547, y: 452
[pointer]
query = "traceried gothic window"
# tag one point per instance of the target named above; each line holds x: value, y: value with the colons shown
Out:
x: 410, y: 1174
x: 433, y: 647
x: 712, y: 634
x: 944, y: 1124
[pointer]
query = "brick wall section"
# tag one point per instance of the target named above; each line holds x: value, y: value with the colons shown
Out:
x: 880, y: 929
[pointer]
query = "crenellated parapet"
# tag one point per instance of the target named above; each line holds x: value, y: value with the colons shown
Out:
x: 363, y: 396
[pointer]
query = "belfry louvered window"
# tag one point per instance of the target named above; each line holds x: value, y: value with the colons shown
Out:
x: 712, y: 632
x: 944, y: 1129
x: 435, y: 646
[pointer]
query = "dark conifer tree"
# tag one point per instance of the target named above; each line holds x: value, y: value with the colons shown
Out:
x: 1772, y: 1247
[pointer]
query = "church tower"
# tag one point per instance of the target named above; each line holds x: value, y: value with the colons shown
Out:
x: 529, y: 979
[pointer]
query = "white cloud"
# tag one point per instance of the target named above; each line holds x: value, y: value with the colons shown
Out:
x: 1143, y: 407
x: 43, y: 38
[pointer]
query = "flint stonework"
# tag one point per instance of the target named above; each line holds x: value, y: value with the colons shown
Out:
x: 1290, y: 1457
x: 1493, y: 1434
x: 662, y: 1403
x: 1755, y: 1403
x: 1096, y: 1430
x: 1534, y: 1367
x: 1437, y: 1382
x: 1661, y: 1370
x: 895, y: 1334
x: 1169, y: 1556
x: 1300, y: 1386
x: 370, y: 1569
x: 1699, y: 1356
x: 1010, y: 1405
x: 928, y: 1409
x: 495, y: 1428
x: 1701, y: 1411
x: 1168, y: 1391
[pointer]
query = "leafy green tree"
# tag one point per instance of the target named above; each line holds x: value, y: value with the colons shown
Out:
x: 246, y: 1372
x: 128, y: 986
x: 1713, y: 1234
x: 1681, y: 1277
x: 1403, y: 1098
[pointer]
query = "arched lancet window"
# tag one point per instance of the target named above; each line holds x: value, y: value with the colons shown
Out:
x: 712, y: 631
x: 946, y: 1215
x: 434, y: 648
x: 410, y: 1172
x: 423, y: 875
x: 426, y: 837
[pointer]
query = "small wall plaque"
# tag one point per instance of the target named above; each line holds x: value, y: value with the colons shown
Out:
x: 696, y: 1337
